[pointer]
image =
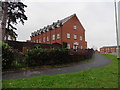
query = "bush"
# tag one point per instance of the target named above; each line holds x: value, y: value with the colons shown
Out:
x: 54, y: 56
x: 7, y: 56
x: 58, y: 55
x: 39, y: 56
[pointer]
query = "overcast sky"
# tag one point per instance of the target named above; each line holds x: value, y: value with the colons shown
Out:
x: 96, y: 17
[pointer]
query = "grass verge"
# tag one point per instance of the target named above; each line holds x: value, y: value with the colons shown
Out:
x: 105, y: 77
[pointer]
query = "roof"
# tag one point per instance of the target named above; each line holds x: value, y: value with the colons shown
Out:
x: 52, y: 26
x: 109, y: 46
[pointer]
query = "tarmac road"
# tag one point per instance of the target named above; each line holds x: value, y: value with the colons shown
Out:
x: 98, y: 61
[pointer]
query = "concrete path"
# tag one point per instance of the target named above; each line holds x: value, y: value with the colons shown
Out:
x: 98, y: 61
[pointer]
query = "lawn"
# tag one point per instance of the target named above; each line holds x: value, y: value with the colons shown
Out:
x: 105, y: 77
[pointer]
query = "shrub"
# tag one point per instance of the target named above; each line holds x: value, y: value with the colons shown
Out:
x: 7, y: 56
x: 39, y: 56
x: 53, y: 56
x: 58, y: 55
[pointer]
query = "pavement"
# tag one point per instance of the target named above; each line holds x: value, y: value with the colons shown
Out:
x: 97, y: 61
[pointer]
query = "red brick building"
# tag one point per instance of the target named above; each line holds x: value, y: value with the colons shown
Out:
x: 68, y: 30
x: 109, y: 49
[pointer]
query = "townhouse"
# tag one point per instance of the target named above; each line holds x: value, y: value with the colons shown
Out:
x: 68, y: 30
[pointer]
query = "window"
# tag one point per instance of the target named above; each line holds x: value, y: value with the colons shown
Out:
x: 58, y: 36
x: 68, y: 35
x: 47, y: 38
x: 68, y: 46
x: 43, y: 39
x: 75, y: 27
x: 81, y: 47
x: 53, y: 37
x: 75, y: 36
x: 81, y: 38
x: 40, y: 40
x: 37, y: 41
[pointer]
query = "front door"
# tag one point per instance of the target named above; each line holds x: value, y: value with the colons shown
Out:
x: 75, y: 47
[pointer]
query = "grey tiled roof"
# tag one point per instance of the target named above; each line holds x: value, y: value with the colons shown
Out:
x: 52, y: 26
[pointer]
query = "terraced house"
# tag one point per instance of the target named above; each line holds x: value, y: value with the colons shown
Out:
x: 108, y: 49
x: 68, y: 30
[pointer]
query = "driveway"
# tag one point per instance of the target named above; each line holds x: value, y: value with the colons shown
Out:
x: 97, y: 61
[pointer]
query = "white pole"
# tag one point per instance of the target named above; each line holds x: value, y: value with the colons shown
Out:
x: 118, y: 49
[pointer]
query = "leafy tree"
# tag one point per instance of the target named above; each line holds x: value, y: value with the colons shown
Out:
x: 12, y: 13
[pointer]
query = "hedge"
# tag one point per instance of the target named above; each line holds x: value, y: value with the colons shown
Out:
x: 12, y: 59
x: 53, y: 56
x: 39, y: 56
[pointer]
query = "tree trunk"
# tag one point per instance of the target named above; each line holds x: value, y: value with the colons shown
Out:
x: 4, y: 19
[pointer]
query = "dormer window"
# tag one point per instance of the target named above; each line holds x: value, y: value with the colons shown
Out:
x: 47, y: 29
x: 75, y: 27
x: 53, y: 27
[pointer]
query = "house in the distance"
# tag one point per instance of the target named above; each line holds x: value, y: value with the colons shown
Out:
x: 68, y: 30
x: 109, y: 49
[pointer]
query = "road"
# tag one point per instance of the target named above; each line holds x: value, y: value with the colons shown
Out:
x: 97, y: 61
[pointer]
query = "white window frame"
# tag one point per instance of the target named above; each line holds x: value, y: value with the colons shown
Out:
x: 68, y: 35
x: 74, y: 27
x: 75, y: 36
x: 47, y: 38
x: 37, y: 41
x: 68, y: 45
x: 43, y: 39
x: 81, y: 47
x: 53, y: 37
x: 40, y: 40
x: 81, y: 38
x: 58, y: 36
